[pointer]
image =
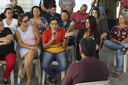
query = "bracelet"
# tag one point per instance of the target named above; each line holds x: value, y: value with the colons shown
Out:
x: 64, y: 37
x: 122, y: 41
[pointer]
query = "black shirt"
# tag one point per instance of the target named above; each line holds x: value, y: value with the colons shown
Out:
x: 16, y: 11
x: 46, y: 4
x: 80, y: 36
x: 6, y: 49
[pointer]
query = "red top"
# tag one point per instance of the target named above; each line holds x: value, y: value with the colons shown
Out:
x: 47, y: 35
x: 119, y: 33
x: 76, y: 16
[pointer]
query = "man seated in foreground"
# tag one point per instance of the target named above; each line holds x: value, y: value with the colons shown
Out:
x: 89, y: 68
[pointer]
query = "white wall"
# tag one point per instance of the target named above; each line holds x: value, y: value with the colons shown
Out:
x: 27, y: 5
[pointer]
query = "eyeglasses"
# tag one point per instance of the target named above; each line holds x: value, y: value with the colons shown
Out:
x: 26, y: 21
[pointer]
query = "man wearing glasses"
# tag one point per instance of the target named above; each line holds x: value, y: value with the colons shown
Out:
x: 16, y: 9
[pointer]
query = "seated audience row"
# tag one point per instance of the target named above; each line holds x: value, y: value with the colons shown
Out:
x: 54, y: 40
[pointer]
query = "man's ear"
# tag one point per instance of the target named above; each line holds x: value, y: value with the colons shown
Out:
x: 81, y: 51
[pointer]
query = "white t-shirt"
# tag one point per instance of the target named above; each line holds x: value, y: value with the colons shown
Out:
x: 12, y: 26
x: 42, y: 2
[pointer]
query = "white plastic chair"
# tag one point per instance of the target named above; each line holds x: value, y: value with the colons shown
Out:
x: 37, y: 69
x: 43, y: 72
x: 95, y: 83
x: 70, y: 51
x: 125, y: 59
x: 12, y: 73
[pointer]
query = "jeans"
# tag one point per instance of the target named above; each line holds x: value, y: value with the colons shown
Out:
x: 47, y: 58
x: 119, y: 53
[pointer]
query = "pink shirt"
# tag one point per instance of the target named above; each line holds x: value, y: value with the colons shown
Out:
x: 76, y: 16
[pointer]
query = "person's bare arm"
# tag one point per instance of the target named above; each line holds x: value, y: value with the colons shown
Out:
x: 70, y: 28
x: 62, y: 7
x: 65, y: 42
x: 125, y: 40
x: 47, y: 45
x: 8, y: 38
x: 71, y: 8
x: 44, y: 8
x: 92, y: 2
x: 37, y: 35
x: 103, y: 35
x: 19, y: 41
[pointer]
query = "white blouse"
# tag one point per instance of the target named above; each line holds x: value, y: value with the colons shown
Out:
x: 12, y: 26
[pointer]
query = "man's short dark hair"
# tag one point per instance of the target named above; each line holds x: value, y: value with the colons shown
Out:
x: 52, y: 5
x: 88, y: 46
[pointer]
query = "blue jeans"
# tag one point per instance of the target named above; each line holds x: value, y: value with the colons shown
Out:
x: 119, y: 53
x: 47, y: 58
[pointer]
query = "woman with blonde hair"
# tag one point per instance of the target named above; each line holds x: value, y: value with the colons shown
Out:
x: 119, y: 41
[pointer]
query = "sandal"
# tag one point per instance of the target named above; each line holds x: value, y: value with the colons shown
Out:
x: 124, y: 52
x: 49, y: 80
x: 21, y: 76
x: 53, y: 82
x: 116, y: 75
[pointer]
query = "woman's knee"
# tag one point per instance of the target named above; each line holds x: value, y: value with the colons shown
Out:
x: 11, y: 59
x: 64, y: 66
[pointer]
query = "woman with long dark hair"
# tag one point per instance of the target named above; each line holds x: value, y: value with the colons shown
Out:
x: 101, y: 24
x: 90, y: 30
x: 54, y: 43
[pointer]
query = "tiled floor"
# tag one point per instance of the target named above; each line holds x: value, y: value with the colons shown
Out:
x: 121, y: 80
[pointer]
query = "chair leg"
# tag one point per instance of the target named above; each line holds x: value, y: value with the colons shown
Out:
x: 114, y: 60
x: 39, y: 71
x: 62, y: 74
x: 109, y: 58
x: 19, y: 70
x: 12, y: 77
x: 43, y: 76
x: 125, y: 63
x: 36, y: 69
x: 72, y: 54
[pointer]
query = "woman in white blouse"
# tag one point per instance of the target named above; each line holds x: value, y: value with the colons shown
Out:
x: 9, y: 21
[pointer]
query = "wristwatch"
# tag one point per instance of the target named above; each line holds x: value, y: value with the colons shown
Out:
x: 64, y: 37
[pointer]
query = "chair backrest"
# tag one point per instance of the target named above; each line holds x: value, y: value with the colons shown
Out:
x: 106, y: 82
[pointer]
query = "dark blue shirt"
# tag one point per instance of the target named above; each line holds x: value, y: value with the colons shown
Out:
x: 65, y: 27
x: 48, y: 16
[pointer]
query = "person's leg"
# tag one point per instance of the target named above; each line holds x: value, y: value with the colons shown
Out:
x: 47, y: 58
x: 11, y: 61
x: 28, y: 65
x: 62, y: 59
x: 111, y: 45
x: 119, y: 60
x: 28, y: 57
x: 29, y: 73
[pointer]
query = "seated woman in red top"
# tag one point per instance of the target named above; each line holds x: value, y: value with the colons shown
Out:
x: 54, y: 43
x: 7, y: 52
x: 118, y: 38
